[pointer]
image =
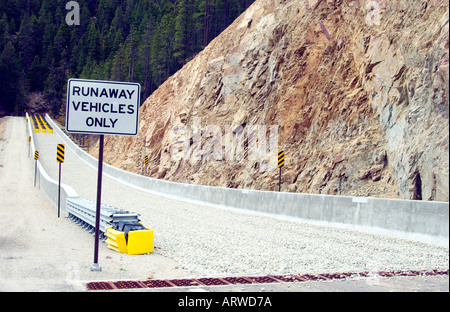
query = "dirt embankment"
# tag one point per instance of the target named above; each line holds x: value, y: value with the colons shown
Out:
x: 359, y: 94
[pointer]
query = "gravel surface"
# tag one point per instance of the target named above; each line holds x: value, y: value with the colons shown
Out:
x: 213, y: 241
x: 191, y: 240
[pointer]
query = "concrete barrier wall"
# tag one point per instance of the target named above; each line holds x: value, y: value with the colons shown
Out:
x: 421, y: 217
x: 47, y: 185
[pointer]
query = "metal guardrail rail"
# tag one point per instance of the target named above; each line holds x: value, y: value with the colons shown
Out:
x: 82, y: 211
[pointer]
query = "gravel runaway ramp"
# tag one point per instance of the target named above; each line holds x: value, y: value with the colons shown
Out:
x: 191, y: 240
x: 212, y: 241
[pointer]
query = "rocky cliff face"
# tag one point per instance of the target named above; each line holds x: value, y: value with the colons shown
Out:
x: 355, y: 91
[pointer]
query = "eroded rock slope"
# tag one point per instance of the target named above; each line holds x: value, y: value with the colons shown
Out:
x: 358, y: 91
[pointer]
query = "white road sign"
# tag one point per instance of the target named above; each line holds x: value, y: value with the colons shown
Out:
x: 102, y: 107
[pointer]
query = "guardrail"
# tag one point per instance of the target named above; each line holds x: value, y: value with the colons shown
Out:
x: 47, y: 185
x: 82, y: 211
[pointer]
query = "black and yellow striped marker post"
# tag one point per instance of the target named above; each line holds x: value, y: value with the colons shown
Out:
x: 280, y: 165
x: 36, y: 157
x: 60, y: 153
x: 60, y: 160
x: 146, y: 163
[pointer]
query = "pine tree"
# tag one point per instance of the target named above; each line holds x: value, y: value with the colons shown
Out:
x: 131, y: 46
x: 207, y: 21
x: 143, y: 71
x: 11, y: 78
x: 25, y: 43
x: 120, y: 65
x: 4, y: 31
x: 144, y: 41
x: 182, y: 32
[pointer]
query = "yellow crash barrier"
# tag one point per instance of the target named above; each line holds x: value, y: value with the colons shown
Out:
x: 139, y: 242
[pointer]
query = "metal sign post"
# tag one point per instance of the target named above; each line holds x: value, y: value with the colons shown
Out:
x: 95, y: 265
x: 280, y: 165
x: 36, y: 157
x: 59, y: 159
x: 146, y: 164
x: 102, y: 107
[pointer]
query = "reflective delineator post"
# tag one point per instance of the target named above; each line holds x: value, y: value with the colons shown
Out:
x: 59, y: 159
x: 279, y: 181
x: 280, y: 165
x: 59, y: 190
x: 95, y: 265
x: 36, y: 157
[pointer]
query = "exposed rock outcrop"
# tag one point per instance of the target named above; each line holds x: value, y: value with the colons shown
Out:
x: 358, y: 91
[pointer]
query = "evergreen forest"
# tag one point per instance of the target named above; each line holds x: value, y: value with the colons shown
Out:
x: 144, y: 41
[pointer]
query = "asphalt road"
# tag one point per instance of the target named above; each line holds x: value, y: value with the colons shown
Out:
x: 40, y: 252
